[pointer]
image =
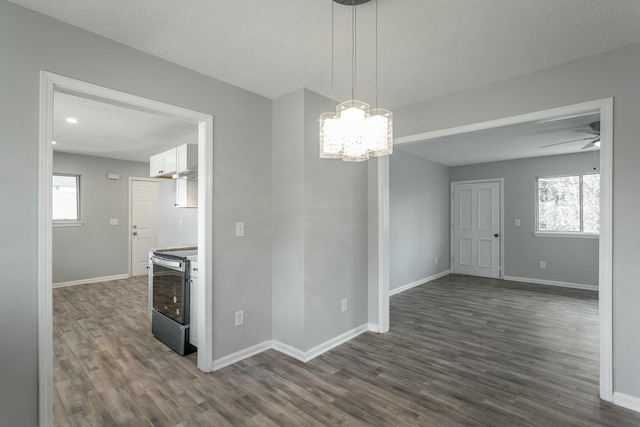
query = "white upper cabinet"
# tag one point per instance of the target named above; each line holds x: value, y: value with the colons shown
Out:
x: 187, y: 157
x: 163, y: 164
x: 181, y: 159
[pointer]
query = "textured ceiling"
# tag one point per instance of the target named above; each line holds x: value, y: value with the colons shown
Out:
x: 113, y: 131
x: 508, y: 142
x: 427, y: 48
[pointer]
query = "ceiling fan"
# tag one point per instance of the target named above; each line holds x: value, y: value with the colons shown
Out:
x: 594, y: 141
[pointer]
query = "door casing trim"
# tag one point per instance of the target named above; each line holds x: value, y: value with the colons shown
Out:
x: 49, y: 84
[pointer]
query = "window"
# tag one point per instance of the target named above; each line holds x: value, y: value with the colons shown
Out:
x: 65, y: 199
x: 568, y: 204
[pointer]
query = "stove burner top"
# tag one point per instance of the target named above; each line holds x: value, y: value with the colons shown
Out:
x: 179, y: 254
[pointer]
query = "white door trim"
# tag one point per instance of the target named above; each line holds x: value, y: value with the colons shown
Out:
x: 605, y: 108
x: 131, y: 179
x: 500, y: 182
x: 50, y: 83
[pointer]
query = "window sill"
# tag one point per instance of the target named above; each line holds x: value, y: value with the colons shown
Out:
x: 67, y: 224
x: 565, y: 234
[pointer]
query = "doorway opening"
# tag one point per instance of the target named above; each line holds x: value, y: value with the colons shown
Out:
x: 603, y: 107
x: 49, y: 85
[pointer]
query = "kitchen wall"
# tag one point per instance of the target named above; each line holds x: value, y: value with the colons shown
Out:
x: 568, y: 260
x: 176, y: 226
x: 30, y: 42
x: 419, y: 219
x: 96, y: 248
x: 611, y: 74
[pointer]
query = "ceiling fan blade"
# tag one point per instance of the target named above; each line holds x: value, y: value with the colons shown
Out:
x: 592, y: 132
x: 565, y: 142
x: 589, y: 145
x: 593, y: 143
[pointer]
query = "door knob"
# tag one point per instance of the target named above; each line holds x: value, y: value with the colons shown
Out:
x: 496, y: 235
x: 135, y: 233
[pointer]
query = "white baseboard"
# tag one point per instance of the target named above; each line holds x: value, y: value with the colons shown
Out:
x: 289, y: 350
x: 552, y: 283
x: 91, y: 280
x: 418, y: 282
x: 626, y: 401
x: 336, y: 341
x: 241, y: 355
x: 373, y: 327
x: 305, y: 356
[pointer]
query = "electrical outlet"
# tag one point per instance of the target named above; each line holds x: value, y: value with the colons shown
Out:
x: 239, y: 317
x: 543, y: 264
x: 344, y: 304
x: 517, y: 223
x: 435, y: 261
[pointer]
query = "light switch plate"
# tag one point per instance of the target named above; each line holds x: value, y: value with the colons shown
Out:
x: 239, y: 229
x: 113, y: 221
x: 517, y: 223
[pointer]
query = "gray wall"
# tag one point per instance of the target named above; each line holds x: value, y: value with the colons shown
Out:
x: 30, y: 42
x: 288, y: 219
x: 171, y: 232
x: 335, y: 235
x: 418, y: 219
x: 568, y: 259
x: 319, y: 230
x: 96, y: 248
x: 611, y: 74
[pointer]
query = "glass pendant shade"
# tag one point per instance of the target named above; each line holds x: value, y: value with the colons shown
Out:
x: 354, y: 133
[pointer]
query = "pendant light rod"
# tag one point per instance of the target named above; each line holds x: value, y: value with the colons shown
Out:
x: 353, y: 53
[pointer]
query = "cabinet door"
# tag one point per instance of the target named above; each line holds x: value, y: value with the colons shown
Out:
x: 170, y: 161
x: 156, y: 165
x: 182, y: 158
x: 187, y: 155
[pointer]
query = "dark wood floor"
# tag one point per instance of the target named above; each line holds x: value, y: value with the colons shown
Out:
x: 462, y: 351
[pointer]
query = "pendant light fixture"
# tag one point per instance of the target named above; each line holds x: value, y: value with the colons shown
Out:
x: 354, y: 133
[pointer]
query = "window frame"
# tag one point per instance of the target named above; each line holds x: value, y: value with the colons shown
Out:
x: 572, y: 234
x: 68, y: 222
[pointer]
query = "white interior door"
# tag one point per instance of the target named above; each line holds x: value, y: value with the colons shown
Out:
x: 144, y: 223
x: 476, y: 229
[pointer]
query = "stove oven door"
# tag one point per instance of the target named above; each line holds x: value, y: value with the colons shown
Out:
x: 170, y: 295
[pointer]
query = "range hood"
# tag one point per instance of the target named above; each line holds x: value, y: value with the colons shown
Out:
x: 186, y: 174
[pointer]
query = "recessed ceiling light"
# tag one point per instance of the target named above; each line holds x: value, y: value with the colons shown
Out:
x: 72, y: 120
x: 53, y: 142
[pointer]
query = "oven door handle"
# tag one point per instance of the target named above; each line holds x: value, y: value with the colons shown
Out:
x: 175, y: 265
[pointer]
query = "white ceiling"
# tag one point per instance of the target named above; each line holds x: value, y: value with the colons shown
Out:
x: 427, y: 48
x: 113, y: 131
x: 507, y: 142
